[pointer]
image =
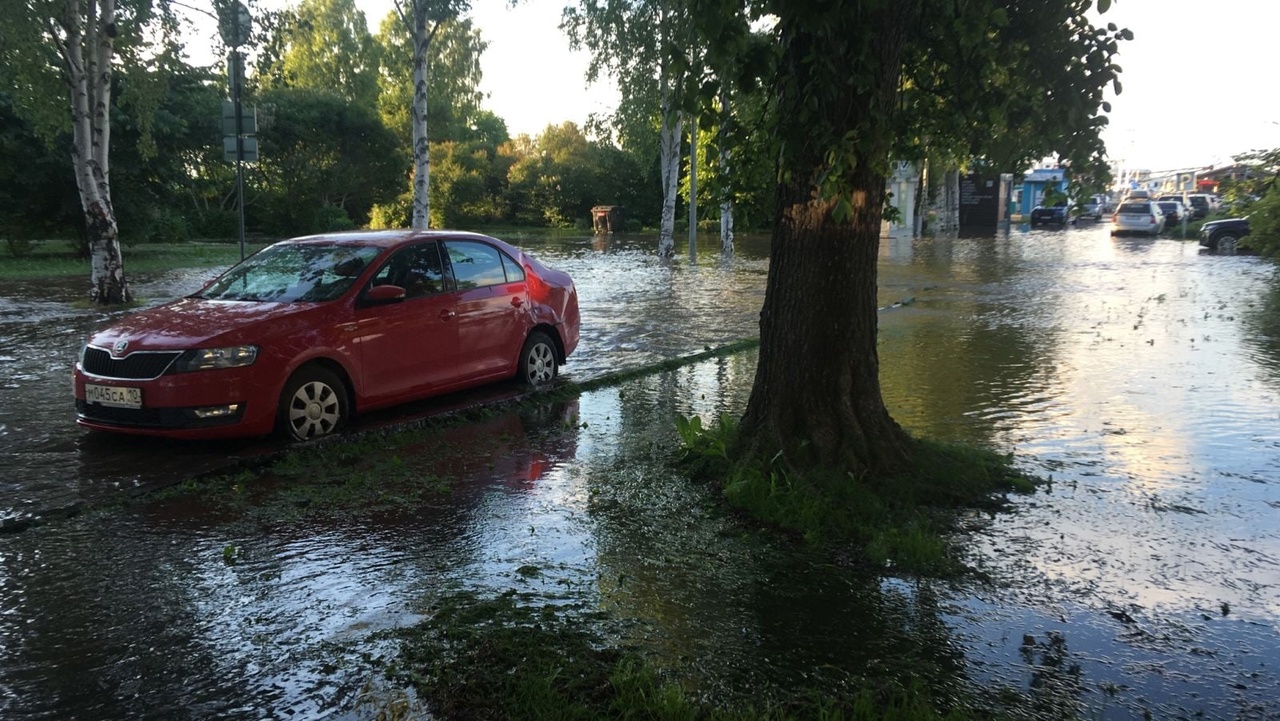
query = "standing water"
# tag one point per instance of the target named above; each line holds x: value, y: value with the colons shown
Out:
x: 1139, y: 376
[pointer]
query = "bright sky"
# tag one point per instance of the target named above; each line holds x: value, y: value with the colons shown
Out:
x: 1197, y: 84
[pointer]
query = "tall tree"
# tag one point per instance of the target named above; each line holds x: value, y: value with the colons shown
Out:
x: 842, y: 69
x: 645, y: 45
x: 80, y: 42
x: 328, y: 47
x: 423, y: 19
x: 453, y: 85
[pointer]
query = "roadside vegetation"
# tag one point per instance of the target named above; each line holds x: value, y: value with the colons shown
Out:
x: 897, y: 524
x: 1257, y: 196
x: 58, y: 258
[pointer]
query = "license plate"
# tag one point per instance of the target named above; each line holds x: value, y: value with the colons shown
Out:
x: 114, y: 396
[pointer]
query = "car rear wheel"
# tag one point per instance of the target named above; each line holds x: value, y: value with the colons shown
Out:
x: 313, y: 405
x: 538, y: 365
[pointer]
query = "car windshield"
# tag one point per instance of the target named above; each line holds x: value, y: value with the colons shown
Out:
x: 292, y: 272
x: 1134, y: 208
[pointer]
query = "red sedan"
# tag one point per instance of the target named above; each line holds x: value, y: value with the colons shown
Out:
x: 300, y: 336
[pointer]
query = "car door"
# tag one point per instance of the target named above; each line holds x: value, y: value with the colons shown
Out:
x: 492, y: 305
x: 409, y: 347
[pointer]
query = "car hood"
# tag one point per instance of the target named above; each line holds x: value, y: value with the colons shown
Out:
x: 195, y: 323
x: 1225, y: 221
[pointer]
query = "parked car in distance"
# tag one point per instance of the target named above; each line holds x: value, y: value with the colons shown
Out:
x: 1223, y: 235
x: 1137, y: 216
x: 1138, y: 194
x: 1199, y: 204
x: 299, y: 337
x: 1174, y: 212
x: 1093, y: 207
x: 1057, y: 214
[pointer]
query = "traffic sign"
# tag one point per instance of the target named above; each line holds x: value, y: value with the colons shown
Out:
x: 249, y: 145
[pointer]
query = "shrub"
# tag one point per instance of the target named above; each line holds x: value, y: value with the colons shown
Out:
x: 392, y: 215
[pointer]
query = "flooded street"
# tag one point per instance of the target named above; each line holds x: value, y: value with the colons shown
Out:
x: 1140, y: 377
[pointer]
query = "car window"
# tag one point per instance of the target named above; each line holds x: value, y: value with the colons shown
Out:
x: 293, y: 272
x: 514, y: 271
x: 476, y: 265
x: 416, y: 268
x: 1134, y: 208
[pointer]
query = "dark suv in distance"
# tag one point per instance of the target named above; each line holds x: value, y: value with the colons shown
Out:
x: 1223, y: 235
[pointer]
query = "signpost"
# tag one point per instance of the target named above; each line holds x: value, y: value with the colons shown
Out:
x: 234, y: 24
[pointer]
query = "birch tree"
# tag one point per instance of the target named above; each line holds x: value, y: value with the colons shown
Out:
x: 644, y: 44
x: 74, y: 45
x: 423, y: 19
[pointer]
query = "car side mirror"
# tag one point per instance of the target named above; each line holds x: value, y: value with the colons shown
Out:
x: 383, y: 294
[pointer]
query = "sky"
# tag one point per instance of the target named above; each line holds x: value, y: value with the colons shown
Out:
x: 1198, y: 78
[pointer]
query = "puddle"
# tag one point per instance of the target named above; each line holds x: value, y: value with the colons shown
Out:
x: 1139, y: 376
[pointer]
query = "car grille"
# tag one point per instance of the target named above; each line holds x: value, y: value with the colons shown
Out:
x: 135, y: 366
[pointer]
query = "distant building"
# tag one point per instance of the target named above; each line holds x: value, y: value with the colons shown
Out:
x: 1036, y: 183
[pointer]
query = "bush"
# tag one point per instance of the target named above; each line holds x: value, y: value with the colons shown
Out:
x: 217, y: 223
x: 395, y: 214
x: 331, y: 218
x: 1264, y: 225
x: 166, y: 225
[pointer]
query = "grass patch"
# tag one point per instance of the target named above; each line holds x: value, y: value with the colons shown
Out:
x: 900, y: 523
x: 58, y: 258
x: 507, y: 658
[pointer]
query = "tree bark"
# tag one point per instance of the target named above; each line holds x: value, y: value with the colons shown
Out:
x: 816, y: 397
x: 726, y: 185
x: 669, y: 167
x: 421, y: 215
x: 87, y: 48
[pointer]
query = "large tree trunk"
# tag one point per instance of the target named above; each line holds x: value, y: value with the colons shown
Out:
x: 816, y: 397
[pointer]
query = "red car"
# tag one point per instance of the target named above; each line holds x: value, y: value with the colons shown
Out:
x: 300, y: 336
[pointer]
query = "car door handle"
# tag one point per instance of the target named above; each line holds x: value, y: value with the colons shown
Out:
x: 517, y: 301
x: 447, y: 314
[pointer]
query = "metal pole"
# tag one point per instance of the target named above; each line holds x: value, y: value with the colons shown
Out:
x: 236, y: 83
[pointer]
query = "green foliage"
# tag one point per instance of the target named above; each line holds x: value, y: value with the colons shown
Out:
x: 509, y: 658
x: 898, y: 523
x: 328, y: 47
x: 394, y: 214
x: 462, y: 175
x: 453, y: 94
x: 1264, y: 226
x: 320, y: 151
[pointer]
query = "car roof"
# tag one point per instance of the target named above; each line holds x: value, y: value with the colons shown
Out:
x: 391, y: 238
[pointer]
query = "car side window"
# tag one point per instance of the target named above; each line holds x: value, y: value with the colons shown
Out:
x: 476, y: 265
x: 417, y: 269
x: 514, y: 272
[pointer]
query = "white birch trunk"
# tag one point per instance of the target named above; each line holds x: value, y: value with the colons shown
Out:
x: 726, y: 186
x: 421, y: 215
x: 87, y: 54
x: 669, y: 167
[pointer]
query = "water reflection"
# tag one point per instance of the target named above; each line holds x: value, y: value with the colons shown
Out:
x: 1138, y: 375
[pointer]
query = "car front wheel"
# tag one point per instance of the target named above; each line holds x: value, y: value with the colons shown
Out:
x: 1226, y: 243
x: 538, y: 365
x: 313, y: 405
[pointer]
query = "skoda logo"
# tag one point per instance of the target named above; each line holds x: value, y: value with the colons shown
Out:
x: 119, y: 347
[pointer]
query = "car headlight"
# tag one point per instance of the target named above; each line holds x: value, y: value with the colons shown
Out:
x: 203, y: 359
